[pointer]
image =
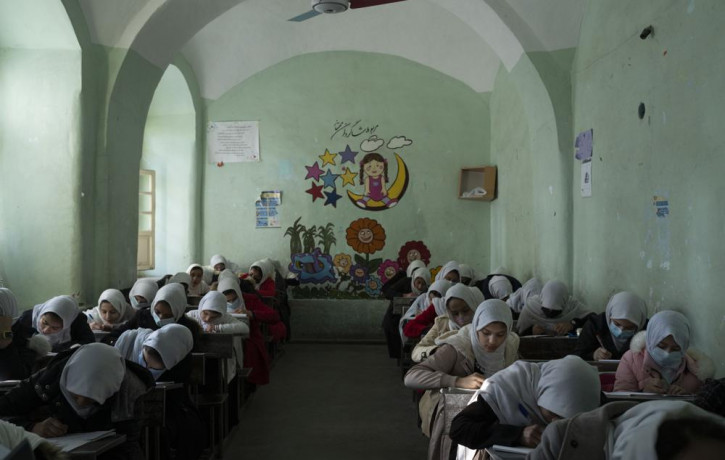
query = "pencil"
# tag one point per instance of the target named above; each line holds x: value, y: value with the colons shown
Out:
x: 599, y: 339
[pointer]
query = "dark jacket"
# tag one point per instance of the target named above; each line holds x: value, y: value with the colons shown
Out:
x: 80, y: 331
x: 482, y: 285
x: 16, y: 360
x: 478, y: 427
x: 588, y: 343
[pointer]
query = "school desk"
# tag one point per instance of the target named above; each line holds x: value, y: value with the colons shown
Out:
x: 546, y: 348
x: 641, y: 397
x: 92, y: 450
x: 401, y: 304
x: 100, y: 335
x: 154, y: 416
x: 454, y: 400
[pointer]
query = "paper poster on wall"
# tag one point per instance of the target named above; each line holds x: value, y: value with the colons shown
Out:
x: 266, y: 209
x: 232, y: 141
x: 586, y: 178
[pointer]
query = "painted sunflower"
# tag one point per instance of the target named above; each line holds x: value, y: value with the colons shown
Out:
x: 387, y: 270
x: 342, y: 262
x: 434, y: 271
x: 413, y: 250
x: 366, y: 236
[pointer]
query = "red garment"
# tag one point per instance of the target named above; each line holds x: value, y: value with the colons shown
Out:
x: 415, y: 327
x: 266, y: 289
x: 255, y: 350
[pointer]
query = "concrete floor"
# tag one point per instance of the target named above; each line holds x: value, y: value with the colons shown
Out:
x: 330, y: 401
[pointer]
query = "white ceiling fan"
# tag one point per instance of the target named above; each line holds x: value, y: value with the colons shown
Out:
x: 337, y: 6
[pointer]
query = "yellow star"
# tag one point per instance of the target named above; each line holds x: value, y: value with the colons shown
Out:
x: 348, y: 177
x: 328, y: 158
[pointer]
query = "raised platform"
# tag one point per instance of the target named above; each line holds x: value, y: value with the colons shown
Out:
x: 351, y: 321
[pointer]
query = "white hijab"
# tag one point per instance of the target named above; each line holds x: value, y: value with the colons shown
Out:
x: 117, y: 301
x: 662, y: 324
x: 564, y: 386
x: 447, y: 268
x: 518, y: 299
x: 130, y: 343
x: 499, y: 286
x: 181, y: 277
x: 413, y: 266
x: 465, y: 271
x: 8, y: 303
x: 175, y: 295
x: 66, y: 308
x: 146, y: 288
x: 554, y: 296
x: 218, y: 259
x: 173, y: 342
x: 227, y: 274
x: 634, y: 433
x: 629, y: 306
x: 95, y: 371
x: 217, y: 302
x: 419, y: 273
x: 267, y: 269
x: 471, y: 295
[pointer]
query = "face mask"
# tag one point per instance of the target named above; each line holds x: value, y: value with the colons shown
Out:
x: 231, y: 306
x: 138, y: 305
x: 161, y: 322
x: 620, y: 333
x: 549, y: 313
x: 155, y: 373
x: 666, y: 359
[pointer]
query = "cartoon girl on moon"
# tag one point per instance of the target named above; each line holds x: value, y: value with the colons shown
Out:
x: 374, y: 175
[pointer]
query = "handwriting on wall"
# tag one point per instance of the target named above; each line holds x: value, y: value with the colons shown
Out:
x: 352, y: 129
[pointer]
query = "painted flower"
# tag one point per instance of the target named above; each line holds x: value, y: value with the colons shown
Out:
x: 413, y: 250
x: 434, y: 271
x: 342, y: 262
x: 359, y: 273
x: 366, y: 236
x: 387, y: 270
x: 373, y: 286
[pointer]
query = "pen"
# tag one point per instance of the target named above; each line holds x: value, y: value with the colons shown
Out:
x: 599, y: 339
x: 523, y: 411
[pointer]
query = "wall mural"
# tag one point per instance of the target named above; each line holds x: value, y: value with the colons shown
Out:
x: 360, y: 274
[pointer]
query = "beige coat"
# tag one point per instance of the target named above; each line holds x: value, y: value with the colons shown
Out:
x: 440, y: 331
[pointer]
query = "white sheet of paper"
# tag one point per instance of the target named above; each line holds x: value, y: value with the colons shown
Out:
x: 232, y: 141
x: 75, y: 440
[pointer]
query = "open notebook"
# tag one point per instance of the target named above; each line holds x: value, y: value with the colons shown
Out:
x: 75, y: 440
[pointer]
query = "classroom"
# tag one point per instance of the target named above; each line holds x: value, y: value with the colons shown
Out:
x: 578, y: 141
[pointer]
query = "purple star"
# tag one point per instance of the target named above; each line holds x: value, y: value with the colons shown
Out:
x: 332, y: 198
x: 313, y: 172
x: 348, y: 155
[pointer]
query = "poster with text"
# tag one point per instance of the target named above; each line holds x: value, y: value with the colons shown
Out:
x: 232, y: 141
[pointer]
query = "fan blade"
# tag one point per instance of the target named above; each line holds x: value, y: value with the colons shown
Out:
x: 365, y: 3
x: 304, y: 16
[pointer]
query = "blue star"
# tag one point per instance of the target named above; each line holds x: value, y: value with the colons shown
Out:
x: 332, y: 197
x: 347, y: 155
x: 329, y: 179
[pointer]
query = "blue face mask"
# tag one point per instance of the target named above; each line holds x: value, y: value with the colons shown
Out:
x: 231, y: 306
x: 161, y: 322
x: 619, y: 333
x: 665, y: 358
x: 138, y: 305
x: 155, y: 373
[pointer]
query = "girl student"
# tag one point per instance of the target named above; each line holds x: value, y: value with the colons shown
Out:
x: 513, y: 407
x: 261, y: 274
x: 500, y: 289
x: 17, y: 353
x: 168, y: 307
x: 652, y: 430
x: 198, y: 287
x: 13, y: 436
x: 183, y: 279
x: 89, y: 388
x: 608, y: 334
x: 660, y: 360
x: 166, y: 354
x: 450, y: 271
x: 142, y: 293
x: 423, y: 301
x: 401, y: 285
x: 518, y: 299
x: 553, y: 312
x: 460, y: 303
x: 112, y: 311
x: 59, y: 320
x: 477, y: 352
x: 374, y: 176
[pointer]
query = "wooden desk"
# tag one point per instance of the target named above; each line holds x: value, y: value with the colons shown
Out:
x: 100, y: 335
x: 92, y: 450
x: 8, y: 385
x: 401, y: 304
x: 641, y: 397
x: 154, y: 415
x: 546, y: 348
x: 607, y: 367
x: 454, y: 400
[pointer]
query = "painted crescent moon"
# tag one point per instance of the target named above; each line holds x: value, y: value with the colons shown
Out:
x: 395, y: 191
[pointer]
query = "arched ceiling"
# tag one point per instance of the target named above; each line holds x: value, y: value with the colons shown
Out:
x: 35, y: 24
x: 465, y: 39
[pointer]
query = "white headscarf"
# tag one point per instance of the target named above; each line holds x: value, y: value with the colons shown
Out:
x: 662, y: 324
x: 447, y: 268
x: 441, y: 287
x: 414, y: 265
x: 439, y: 304
x: 465, y: 271
x: 181, y: 277
x: 227, y: 274
x: 95, y: 371
x: 117, y: 301
x: 471, y: 295
x: 629, y: 306
x: 634, y: 434
x: 8, y: 303
x: 64, y: 306
x: 217, y: 302
x: 130, y: 343
x: 232, y: 284
x: 554, y: 296
x: 218, y: 259
x: 145, y: 288
x: 207, y: 273
x: 175, y: 296
x: 564, y: 386
x: 173, y: 342
x: 490, y: 311
x: 267, y: 269
x: 419, y: 273
x: 518, y: 299
x: 499, y: 286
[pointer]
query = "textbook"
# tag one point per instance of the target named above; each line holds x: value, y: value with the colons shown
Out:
x: 75, y: 440
x: 498, y: 452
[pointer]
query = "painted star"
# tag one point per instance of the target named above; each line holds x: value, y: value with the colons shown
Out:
x: 316, y: 192
x: 329, y: 179
x: 348, y: 177
x: 347, y: 155
x: 313, y: 172
x: 328, y: 158
x: 332, y: 198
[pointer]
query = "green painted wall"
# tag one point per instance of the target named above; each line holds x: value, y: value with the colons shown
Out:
x: 676, y: 151
x: 40, y: 193
x: 297, y: 103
